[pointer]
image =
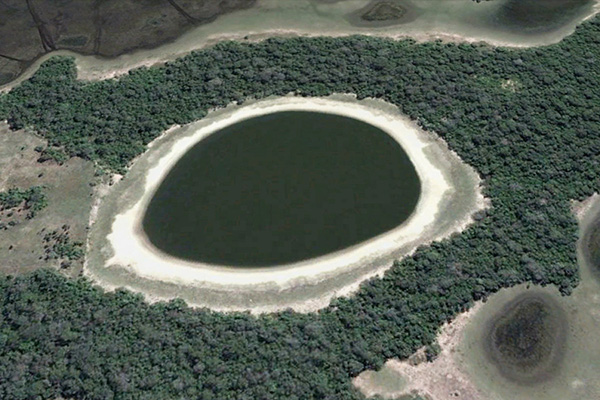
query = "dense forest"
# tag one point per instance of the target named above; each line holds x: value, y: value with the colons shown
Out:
x: 526, y: 119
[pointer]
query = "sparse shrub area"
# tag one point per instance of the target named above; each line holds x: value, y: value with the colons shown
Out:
x: 59, y: 246
x: 51, y: 154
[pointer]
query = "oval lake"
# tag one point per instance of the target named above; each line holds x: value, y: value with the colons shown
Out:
x: 282, y: 188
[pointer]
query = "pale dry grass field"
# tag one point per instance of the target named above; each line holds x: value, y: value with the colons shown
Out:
x: 68, y: 188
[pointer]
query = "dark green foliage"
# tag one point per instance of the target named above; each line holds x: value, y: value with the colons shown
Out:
x: 59, y: 246
x: 432, y: 351
x: 535, y: 144
x: 34, y: 199
x: 51, y: 153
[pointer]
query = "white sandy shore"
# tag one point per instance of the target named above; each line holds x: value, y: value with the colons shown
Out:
x: 303, y: 286
x: 132, y: 249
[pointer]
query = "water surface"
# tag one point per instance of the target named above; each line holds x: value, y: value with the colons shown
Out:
x: 282, y: 188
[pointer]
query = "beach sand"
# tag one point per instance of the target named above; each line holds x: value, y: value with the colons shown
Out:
x: 130, y: 249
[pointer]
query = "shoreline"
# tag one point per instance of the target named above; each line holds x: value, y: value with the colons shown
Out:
x: 92, y: 68
x: 452, y: 372
x: 441, y: 379
x: 260, y: 36
x: 129, y: 249
x: 128, y: 225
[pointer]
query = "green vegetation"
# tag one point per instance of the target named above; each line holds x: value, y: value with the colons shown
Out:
x: 50, y: 153
x: 536, y: 149
x: 33, y: 197
x: 59, y: 246
x: 30, y: 200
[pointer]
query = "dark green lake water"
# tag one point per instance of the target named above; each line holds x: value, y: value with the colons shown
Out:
x: 282, y: 188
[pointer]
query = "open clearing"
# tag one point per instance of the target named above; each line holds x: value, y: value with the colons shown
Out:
x: 442, y: 379
x: 69, y: 195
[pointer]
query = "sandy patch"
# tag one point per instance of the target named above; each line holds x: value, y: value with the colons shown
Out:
x: 132, y: 248
x: 306, y: 285
x: 581, y: 208
x: 442, y: 379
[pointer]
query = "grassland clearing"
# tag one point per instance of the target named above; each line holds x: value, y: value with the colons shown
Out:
x: 69, y: 197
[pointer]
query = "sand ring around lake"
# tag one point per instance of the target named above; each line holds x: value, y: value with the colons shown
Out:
x: 120, y: 255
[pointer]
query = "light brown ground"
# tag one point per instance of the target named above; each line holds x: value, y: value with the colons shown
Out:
x: 580, y: 208
x: 441, y: 379
x: 68, y: 192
